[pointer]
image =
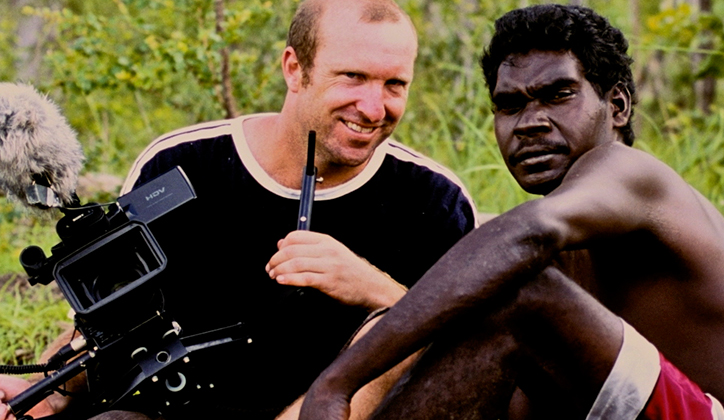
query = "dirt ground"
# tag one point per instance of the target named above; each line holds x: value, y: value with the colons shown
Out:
x: 14, y: 278
x: 21, y: 280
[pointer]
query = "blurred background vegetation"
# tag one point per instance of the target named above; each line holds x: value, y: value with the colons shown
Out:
x: 125, y: 71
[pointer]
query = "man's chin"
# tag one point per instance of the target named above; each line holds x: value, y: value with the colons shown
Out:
x: 353, y: 162
x: 353, y: 157
x: 539, y: 184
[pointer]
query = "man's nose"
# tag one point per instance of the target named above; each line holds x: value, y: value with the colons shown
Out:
x: 372, y: 102
x: 533, y: 120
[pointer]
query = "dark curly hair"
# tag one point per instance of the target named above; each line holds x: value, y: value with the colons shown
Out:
x: 599, y: 47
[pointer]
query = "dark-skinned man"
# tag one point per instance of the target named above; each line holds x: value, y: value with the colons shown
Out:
x: 582, y: 304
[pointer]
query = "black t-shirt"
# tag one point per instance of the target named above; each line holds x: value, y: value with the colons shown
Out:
x: 401, y: 214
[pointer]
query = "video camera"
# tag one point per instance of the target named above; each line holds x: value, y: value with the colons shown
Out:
x: 106, y: 266
x: 107, y: 260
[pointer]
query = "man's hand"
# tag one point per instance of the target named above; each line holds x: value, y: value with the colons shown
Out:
x: 10, y: 387
x: 311, y: 259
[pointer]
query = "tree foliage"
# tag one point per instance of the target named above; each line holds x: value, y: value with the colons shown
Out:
x: 169, y: 49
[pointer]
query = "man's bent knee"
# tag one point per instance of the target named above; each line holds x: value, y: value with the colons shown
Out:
x: 120, y: 415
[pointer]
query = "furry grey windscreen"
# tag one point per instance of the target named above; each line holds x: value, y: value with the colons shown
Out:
x: 35, y: 139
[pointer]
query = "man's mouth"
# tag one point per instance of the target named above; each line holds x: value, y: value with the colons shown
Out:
x: 534, y: 159
x: 358, y: 128
x: 528, y: 157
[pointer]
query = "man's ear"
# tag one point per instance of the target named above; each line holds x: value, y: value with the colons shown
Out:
x: 292, y: 69
x: 620, y: 105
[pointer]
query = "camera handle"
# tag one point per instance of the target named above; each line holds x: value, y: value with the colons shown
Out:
x: 40, y: 390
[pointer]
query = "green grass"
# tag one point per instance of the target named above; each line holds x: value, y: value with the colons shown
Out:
x: 31, y: 318
x: 19, y: 228
x: 693, y: 145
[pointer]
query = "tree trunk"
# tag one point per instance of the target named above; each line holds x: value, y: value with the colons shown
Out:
x: 706, y: 87
x: 28, y: 34
x: 227, y: 90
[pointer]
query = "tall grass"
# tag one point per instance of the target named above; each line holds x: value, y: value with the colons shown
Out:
x: 693, y: 145
x: 29, y: 320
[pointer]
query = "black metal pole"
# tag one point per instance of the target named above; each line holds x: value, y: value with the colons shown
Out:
x: 309, y: 178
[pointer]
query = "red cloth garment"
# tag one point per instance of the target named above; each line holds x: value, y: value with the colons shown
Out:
x: 676, y: 397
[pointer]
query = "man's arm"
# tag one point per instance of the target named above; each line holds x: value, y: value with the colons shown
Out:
x: 608, y: 192
x: 446, y: 291
x: 10, y: 387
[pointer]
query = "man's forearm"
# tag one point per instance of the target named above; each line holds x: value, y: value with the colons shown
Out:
x: 496, y: 258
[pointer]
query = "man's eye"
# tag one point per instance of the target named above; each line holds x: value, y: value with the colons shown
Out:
x: 560, y: 95
x: 353, y: 75
x: 396, y: 86
x: 508, y: 107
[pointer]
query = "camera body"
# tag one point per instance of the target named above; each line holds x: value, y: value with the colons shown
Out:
x: 107, y: 261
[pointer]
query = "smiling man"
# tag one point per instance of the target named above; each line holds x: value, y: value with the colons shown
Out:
x: 587, y: 303
x: 383, y: 214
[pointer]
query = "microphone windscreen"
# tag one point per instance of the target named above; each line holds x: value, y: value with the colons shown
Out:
x: 36, y: 142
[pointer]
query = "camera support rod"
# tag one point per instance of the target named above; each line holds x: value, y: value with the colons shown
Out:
x: 309, y: 178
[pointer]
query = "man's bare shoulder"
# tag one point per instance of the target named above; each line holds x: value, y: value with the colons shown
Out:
x: 623, y: 175
x: 617, y: 163
x: 615, y: 189
x: 644, y: 178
